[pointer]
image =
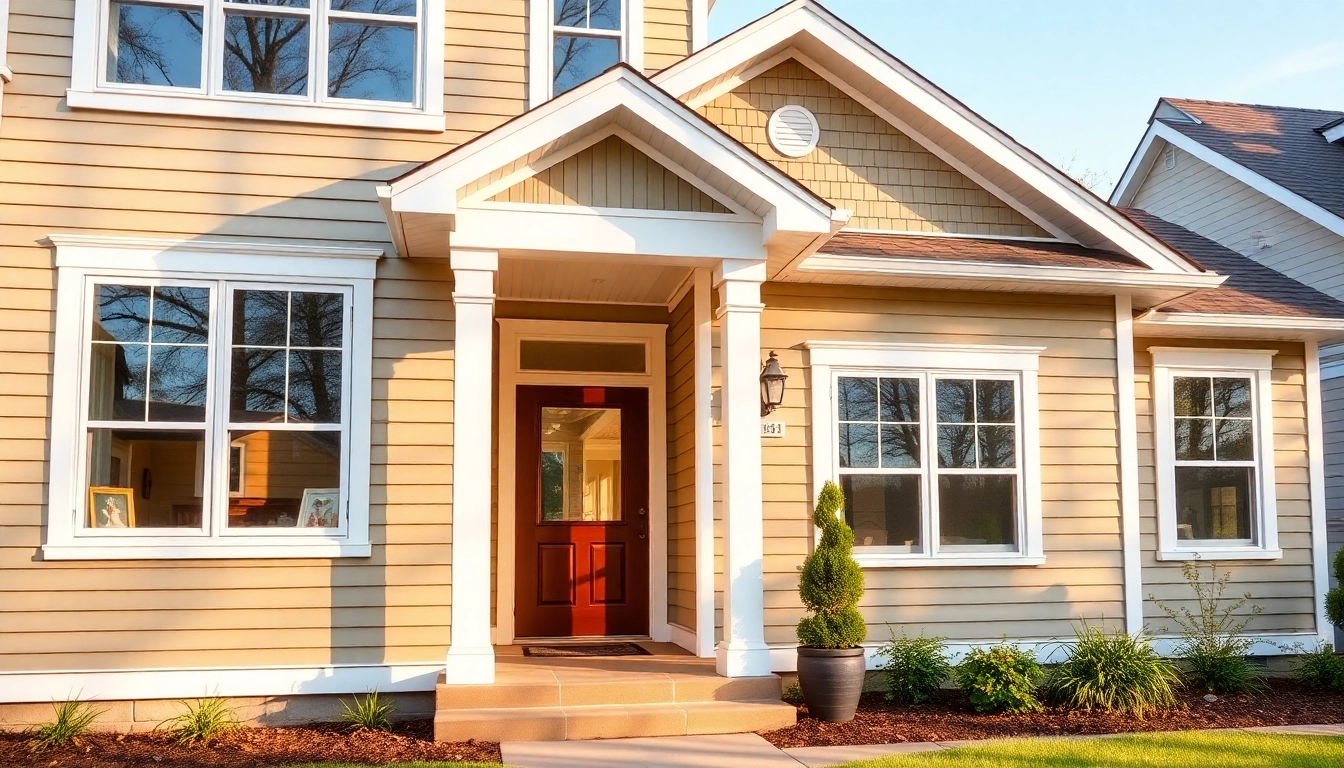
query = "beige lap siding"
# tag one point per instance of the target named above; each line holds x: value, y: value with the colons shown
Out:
x: 1282, y: 587
x: 681, y: 465
x: 667, y: 33
x: 1082, y: 574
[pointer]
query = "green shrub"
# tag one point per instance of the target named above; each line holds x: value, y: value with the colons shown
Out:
x: 914, y: 667
x: 368, y: 714
x: 1321, y: 668
x: 793, y: 694
x: 1000, y: 679
x: 1118, y: 672
x: 202, y: 722
x: 1213, y: 642
x: 73, y: 719
x: 831, y: 583
x: 1334, y: 599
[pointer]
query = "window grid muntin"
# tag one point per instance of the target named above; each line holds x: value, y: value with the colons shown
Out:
x: 1254, y: 502
x: 930, y: 471
x: 320, y: 18
x: 919, y: 471
x: 623, y: 49
x: 1016, y: 470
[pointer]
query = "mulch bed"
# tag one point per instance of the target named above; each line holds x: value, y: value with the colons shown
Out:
x: 950, y: 718
x: 250, y: 748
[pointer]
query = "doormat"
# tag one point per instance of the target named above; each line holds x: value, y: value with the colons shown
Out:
x: 604, y: 649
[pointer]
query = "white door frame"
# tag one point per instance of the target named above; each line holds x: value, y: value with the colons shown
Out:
x: 654, y: 338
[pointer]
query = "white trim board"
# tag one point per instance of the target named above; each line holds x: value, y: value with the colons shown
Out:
x: 1127, y: 416
x: 1320, y: 564
x: 197, y: 682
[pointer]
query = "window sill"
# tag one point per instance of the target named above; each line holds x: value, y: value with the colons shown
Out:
x: 1215, y: 554
x: 959, y: 561
x: 213, y: 549
x: 218, y: 106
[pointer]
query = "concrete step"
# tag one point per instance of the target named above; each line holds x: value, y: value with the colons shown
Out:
x: 611, y: 721
x: 540, y: 688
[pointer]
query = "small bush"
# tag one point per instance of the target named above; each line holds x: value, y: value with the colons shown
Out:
x: 1000, y: 679
x: 1334, y: 599
x: 793, y: 694
x: 202, y: 722
x: 73, y: 719
x: 915, y: 667
x: 1118, y: 672
x: 1321, y: 668
x: 831, y: 583
x: 1213, y: 642
x: 368, y: 714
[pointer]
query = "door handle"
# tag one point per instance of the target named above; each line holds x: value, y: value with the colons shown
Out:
x: 643, y: 527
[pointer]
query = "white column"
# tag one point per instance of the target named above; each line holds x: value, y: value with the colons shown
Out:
x: 471, y: 658
x: 704, y: 467
x: 743, y: 652
x: 1126, y: 411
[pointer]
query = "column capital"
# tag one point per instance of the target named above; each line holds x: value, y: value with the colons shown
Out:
x: 475, y: 259
x: 739, y: 271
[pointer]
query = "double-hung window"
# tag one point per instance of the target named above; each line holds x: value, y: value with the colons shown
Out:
x: 573, y: 41
x: 935, y: 448
x: 362, y: 62
x: 214, y: 414
x: 1214, y: 445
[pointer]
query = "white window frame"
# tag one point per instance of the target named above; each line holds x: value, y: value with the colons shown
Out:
x: 541, y: 35
x: 83, y: 260
x: 90, y: 89
x: 829, y: 360
x: 1257, y: 365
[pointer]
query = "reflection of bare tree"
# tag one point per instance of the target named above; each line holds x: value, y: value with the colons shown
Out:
x: 265, y: 58
x: 571, y: 50
x: 311, y: 388
x: 140, y: 51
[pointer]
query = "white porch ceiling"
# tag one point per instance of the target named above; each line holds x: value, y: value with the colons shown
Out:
x: 607, y: 282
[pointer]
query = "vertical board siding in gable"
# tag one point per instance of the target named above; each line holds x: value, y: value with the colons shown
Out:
x: 863, y: 163
x: 1081, y: 577
x: 667, y: 33
x: 1283, y: 587
x: 681, y: 467
x: 611, y: 174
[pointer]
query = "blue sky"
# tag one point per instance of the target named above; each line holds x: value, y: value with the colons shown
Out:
x: 1079, y: 79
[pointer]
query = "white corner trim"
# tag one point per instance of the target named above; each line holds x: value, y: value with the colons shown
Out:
x: 699, y: 24
x: 1320, y: 552
x: 1218, y: 359
x: 196, y: 682
x: 1127, y: 416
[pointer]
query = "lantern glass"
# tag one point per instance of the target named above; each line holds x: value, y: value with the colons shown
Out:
x: 772, y: 385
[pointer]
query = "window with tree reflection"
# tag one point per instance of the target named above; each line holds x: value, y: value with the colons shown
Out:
x: 587, y: 39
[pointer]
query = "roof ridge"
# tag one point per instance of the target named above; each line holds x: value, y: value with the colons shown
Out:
x: 1174, y: 99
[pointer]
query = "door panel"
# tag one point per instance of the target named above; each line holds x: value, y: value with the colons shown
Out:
x: 582, y: 511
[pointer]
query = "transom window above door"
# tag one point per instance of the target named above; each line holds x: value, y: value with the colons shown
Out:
x: 268, y: 58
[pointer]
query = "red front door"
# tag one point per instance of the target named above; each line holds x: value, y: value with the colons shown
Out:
x: 582, y: 512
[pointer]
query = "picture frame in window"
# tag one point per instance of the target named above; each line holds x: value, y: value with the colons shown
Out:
x: 320, y: 508
x: 111, y: 507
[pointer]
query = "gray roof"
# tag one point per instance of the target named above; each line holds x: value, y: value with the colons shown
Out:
x: 1282, y: 144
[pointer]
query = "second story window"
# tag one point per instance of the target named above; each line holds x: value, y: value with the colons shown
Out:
x: 573, y: 41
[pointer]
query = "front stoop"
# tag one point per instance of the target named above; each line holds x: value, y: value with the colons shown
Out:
x: 530, y: 702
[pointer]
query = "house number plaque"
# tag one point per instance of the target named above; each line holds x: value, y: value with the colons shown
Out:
x: 772, y: 429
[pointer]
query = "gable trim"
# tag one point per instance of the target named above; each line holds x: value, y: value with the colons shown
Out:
x: 1141, y: 163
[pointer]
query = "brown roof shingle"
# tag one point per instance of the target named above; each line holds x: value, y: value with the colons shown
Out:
x: 1251, y: 287
x: 1281, y: 144
x: 988, y: 251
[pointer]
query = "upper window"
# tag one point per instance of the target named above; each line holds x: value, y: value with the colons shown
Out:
x: 215, y: 413
x: 936, y: 465
x: 278, y: 55
x: 576, y: 40
x: 1216, y: 492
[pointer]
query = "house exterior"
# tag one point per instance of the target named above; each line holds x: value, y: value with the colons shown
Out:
x: 320, y: 378
x: 1264, y: 182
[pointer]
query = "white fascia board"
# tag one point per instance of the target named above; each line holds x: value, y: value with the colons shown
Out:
x: 1334, y: 134
x: 1014, y: 275
x: 1140, y: 163
x: 1321, y: 329
x: 394, y: 223
x: 1250, y: 178
x: 804, y: 17
x: 574, y: 229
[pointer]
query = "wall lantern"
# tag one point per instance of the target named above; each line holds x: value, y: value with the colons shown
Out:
x: 772, y: 385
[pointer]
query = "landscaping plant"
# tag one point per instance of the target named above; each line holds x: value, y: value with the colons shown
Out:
x: 831, y: 583
x: 1000, y: 679
x: 369, y: 713
x: 914, y: 667
x: 73, y: 719
x: 1321, y: 668
x: 202, y: 722
x: 1118, y: 672
x: 1334, y: 599
x: 1213, y: 642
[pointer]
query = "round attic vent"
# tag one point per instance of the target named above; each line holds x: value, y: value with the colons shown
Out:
x: 793, y: 131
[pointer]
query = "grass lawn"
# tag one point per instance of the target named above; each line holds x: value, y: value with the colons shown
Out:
x: 1183, y: 750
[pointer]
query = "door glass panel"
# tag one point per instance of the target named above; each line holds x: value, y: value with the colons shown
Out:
x: 580, y: 465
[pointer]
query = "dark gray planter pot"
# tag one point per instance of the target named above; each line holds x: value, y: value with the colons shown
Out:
x: 832, y: 680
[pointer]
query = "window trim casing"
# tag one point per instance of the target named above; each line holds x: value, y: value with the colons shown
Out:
x: 826, y: 358
x: 1256, y: 364
x: 540, y: 44
x: 80, y: 257
x: 87, y: 90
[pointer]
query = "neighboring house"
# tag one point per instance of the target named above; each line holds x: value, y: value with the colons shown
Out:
x: 363, y: 381
x: 1268, y: 183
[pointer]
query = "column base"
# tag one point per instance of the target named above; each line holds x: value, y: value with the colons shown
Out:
x: 748, y: 660
x: 470, y: 665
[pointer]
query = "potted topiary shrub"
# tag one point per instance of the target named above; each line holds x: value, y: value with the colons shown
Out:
x: 831, y: 659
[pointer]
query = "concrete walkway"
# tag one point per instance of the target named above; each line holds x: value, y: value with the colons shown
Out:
x: 742, y: 749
